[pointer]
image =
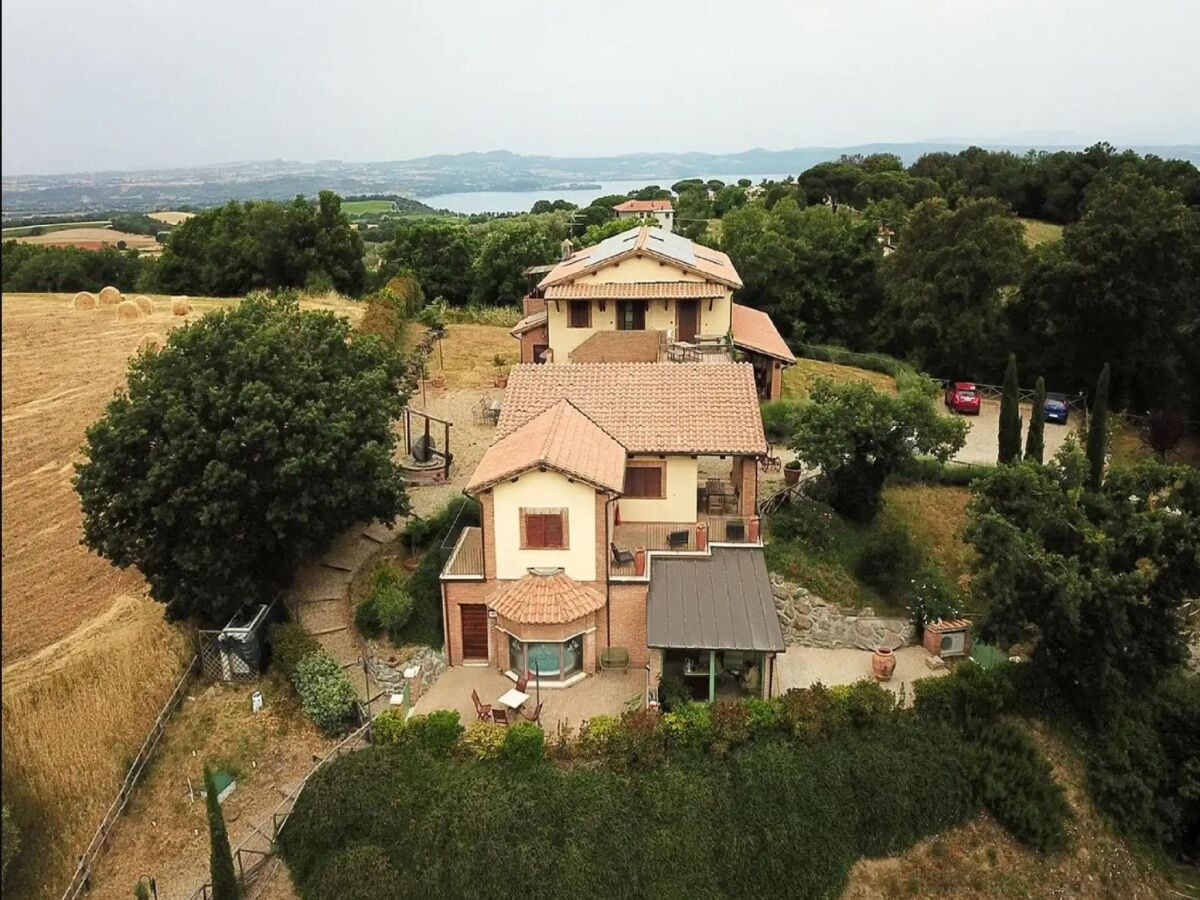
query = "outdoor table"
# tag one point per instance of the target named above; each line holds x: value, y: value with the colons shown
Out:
x: 493, y: 411
x: 513, y: 699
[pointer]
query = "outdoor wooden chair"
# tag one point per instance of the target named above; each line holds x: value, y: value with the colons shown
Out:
x: 621, y: 557
x: 535, y: 717
x: 523, y: 682
x: 500, y: 716
x: 482, y: 710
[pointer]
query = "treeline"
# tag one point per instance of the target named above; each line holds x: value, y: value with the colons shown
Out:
x: 224, y: 252
x: 962, y: 288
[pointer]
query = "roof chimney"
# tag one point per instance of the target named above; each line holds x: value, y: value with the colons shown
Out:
x: 567, y: 248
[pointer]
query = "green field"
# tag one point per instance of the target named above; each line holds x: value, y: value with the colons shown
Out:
x: 367, y: 207
x: 1038, y: 232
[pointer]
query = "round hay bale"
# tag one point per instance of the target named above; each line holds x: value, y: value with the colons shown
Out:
x: 145, y: 304
x: 127, y: 309
x: 84, y: 300
x: 109, y: 296
x: 180, y: 306
x: 151, y: 340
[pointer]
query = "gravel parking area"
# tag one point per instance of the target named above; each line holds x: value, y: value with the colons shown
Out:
x: 983, y: 438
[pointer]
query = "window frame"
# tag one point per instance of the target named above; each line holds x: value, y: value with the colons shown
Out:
x: 634, y: 306
x: 545, y: 513
x: 572, y: 306
x: 659, y: 466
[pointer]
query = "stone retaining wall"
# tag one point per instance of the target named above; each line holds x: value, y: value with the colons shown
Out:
x: 389, y: 673
x: 809, y: 621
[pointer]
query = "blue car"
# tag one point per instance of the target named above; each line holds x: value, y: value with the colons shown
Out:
x: 1055, y: 409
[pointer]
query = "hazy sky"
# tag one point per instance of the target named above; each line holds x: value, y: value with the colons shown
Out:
x: 90, y: 85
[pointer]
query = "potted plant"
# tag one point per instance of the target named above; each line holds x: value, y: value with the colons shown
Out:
x: 500, y: 361
x: 791, y: 471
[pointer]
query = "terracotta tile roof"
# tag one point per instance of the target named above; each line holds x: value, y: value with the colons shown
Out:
x: 528, y: 323
x: 558, y: 437
x: 653, y: 243
x: 545, y: 599
x: 701, y: 408
x: 643, y: 206
x: 754, y: 330
x: 637, y: 290
x: 620, y: 347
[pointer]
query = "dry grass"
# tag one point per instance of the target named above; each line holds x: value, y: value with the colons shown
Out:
x: 164, y: 830
x: 981, y: 860
x: 84, y: 300
x: 74, y: 717
x: 467, y: 352
x: 145, y: 304
x: 108, y: 296
x: 1128, y: 446
x: 129, y: 311
x: 103, y: 235
x: 171, y: 217
x: 934, y: 516
x: 86, y: 668
x: 798, y: 379
x: 1039, y: 232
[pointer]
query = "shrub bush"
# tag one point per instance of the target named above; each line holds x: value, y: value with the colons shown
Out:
x: 865, y: 703
x: 387, y: 609
x: 595, y: 735
x: 673, y: 693
x: 931, y: 599
x: 290, y: 643
x: 524, y: 745
x: 1018, y: 788
x: 730, y: 724
x: 359, y: 872
x: 325, y: 691
x: 689, y: 729
x: 484, y: 740
x: 637, y: 740
x: 387, y: 727
x: 807, y: 521
x: 437, y: 733
x: 969, y: 698
x: 927, y: 470
x: 763, y: 716
x: 777, y: 418
x: 811, y: 713
x: 889, y: 561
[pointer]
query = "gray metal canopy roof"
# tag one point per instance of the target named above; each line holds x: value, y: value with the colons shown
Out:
x: 722, y: 602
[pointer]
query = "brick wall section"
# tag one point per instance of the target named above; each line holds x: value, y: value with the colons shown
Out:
x: 529, y: 339
x: 776, y: 380
x: 627, y: 604
x: 458, y: 593
x: 487, y: 509
x: 531, y: 305
x: 745, y: 479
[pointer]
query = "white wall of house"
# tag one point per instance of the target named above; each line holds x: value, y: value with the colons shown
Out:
x: 666, y: 218
x: 545, y: 490
x: 679, y: 505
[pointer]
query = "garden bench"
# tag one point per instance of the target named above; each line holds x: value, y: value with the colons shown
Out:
x: 614, y: 658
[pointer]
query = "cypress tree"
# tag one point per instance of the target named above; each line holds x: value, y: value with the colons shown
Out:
x: 1097, y: 436
x: 220, y: 858
x: 1035, y: 442
x: 1010, y: 415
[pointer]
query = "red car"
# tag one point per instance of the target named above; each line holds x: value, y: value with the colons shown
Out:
x: 962, y: 397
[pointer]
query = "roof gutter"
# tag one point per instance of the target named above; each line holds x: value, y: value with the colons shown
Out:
x: 608, y: 571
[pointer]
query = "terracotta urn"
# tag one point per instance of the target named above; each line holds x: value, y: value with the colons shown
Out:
x: 410, y: 563
x: 883, y: 663
x: 791, y: 476
x: 439, y: 380
x: 500, y: 381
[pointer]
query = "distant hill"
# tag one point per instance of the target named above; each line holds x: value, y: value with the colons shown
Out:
x: 497, y: 170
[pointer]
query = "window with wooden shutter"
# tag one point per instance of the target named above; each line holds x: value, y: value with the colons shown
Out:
x: 646, y: 480
x: 631, y: 315
x: 579, y: 314
x: 543, y: 529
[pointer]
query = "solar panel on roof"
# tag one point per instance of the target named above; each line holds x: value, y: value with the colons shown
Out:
x: 673, y: 245
x: 613, y: 246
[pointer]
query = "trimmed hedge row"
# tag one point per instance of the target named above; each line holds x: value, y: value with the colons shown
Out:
x: 775, y: 815
x: 325, y: 690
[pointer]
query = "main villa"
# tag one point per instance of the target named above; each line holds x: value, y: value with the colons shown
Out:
x: 619, y: 501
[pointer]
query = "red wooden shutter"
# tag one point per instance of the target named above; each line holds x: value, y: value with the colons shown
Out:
x: 552, y: 530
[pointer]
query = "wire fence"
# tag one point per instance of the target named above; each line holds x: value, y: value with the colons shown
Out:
x: 81, y: 880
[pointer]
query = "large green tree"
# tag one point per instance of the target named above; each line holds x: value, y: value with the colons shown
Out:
x: 1035, y: 442
x: 509, y: 247
x: 249, y: 442
x: 1094, y: 578
x: 815, y: 271
x: 946, y: 286
x: 858, y: 436
x: 439, y: 253
x: 1123, y: 287
x: 1097, y: 433
x: 1010, y: 415
x: 220, y: 859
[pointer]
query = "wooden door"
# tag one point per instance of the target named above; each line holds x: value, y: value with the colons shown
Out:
x: 474, y: 631
x: 687, y: 317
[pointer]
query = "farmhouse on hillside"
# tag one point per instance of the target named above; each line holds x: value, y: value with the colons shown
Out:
x: 661, y: 210
x: 618, y: 521
x: 649, y: 295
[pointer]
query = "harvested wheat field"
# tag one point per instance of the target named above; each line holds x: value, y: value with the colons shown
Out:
x: 171, y: 217
x: 106, y: 236
x: 87, y: 661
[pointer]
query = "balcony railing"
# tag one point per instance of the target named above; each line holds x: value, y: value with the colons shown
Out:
x: 677, y: 537
x: 466, y: 559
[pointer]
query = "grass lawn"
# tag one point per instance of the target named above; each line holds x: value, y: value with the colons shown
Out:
x: 1128, y: 447
x: 1038, y: 232
x: 934, y: 516
x: 367, y: 207
x: 799, y: 378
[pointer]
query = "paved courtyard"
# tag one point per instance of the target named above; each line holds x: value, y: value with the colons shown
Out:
x: 802, y: 667
x: 604, y: 693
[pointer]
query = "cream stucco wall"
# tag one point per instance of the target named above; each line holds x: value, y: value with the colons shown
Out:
x: 715, y: 315
x: 680, y: 502
x: 545, y: 490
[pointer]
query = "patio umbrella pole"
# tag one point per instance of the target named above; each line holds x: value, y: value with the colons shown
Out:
x: 537, y: 681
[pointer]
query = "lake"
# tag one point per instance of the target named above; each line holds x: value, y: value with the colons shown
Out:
x: 469, y: 202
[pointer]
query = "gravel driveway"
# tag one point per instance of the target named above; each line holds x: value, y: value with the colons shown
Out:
x: 983, y: 438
